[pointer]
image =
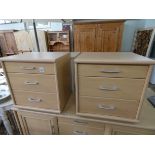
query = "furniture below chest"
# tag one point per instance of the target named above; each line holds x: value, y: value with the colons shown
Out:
x: 68, y: 123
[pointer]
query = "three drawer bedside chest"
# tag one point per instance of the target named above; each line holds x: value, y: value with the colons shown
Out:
x: 111, y: 85
x: 39, y: 80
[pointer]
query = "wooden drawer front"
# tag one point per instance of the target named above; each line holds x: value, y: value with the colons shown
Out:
x: 32, y: 82
x: 72, y: 129
x: 36, y: 100
x: 81, y: 122
x: 133, y: 132
x: 36, y: 68
x: 110, y: 107
x: 127, y: 71
x: 125, y: 130
x: 111, y: 87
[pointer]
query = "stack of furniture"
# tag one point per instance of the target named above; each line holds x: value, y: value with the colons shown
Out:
x: 103, y: 36
x: 58, y: 41
x: 110, y: 89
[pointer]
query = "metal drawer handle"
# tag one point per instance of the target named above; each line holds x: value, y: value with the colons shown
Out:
x: 106, y: 107
x: 31, y: 83
x: 80, y: 133
x: 110, y: 71
x: 30, y: 99
x: 113, y: 88
x: 80, y: 122
x: 28, y: 68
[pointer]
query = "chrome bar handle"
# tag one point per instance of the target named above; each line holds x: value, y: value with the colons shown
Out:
x: 106, y: 107
x: 80, y: 133
x: 110, y: 71
x: 30, y: 99
x: 113, y: 88
x: 31, y: 83
x: 28, y: 68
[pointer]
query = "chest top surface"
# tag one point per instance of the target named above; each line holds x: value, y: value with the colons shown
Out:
x: 36, y: 57
x: 113, y: 58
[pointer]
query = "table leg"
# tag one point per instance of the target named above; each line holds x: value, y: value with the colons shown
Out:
x: 6, y: 122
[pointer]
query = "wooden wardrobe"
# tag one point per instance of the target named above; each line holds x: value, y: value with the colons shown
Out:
x: 98, y: 36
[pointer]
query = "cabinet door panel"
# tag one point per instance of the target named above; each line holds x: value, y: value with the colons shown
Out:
x: 108, y: 37
x: 84, y: 38
x: 3, y: 44
x: 11, y: 43
x: 37, y: 123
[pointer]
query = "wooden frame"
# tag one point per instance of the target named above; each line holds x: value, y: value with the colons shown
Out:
x: 150, y: 42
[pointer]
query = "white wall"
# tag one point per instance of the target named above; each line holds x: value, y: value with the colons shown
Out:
x: 54, y: 26
x: 128, y: 33
x: 12, y: 26
x: 130, y: 26
x: 150, y: 23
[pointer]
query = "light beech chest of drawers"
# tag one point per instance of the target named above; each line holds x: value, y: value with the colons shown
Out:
x: 111, y: 85
x: 39, y: 80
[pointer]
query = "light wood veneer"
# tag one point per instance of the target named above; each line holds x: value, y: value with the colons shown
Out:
x: 39, y: 80
x: 69, y: 123
x: 111, y: 85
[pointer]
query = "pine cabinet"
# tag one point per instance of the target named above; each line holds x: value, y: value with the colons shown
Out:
x: 84, y: 38
x: 94, y: 37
